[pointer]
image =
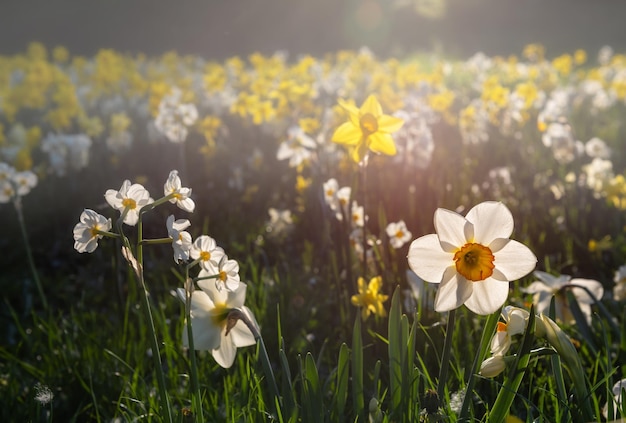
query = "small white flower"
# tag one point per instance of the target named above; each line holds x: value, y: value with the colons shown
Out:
x: 86, y: 234
x: 398, y: 234
x: 205, y: 249
x: 181, y: 239
x: 130, y: 198
x: 24, y: 181
x: 226, y: 272
x: 181, y: 198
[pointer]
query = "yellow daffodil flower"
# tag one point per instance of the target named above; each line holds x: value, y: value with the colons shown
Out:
x: 367, y: 129
x: 369, y: 297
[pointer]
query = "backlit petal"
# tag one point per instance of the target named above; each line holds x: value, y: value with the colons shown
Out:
x: 225, y: 353
x: 582, y: 296
x: 427, y: 259
x: 387, y: 123
x: 451, y: 229
x: 453, y: 291
x: 488, y: 296
x: 347, y: 134
x: 491, y: 220
x: 371, y: 105
x: 382, y: 143
x: 515, y: 260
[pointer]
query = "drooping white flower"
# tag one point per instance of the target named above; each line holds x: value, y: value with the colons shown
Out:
x: 181, y: 239
x: 515, y: 321
x: 472, y: 258
x: 548, y: 286
x: 86, y: 234
x: 129, y: 199
x: 214, y: 324
x: 173, y: 185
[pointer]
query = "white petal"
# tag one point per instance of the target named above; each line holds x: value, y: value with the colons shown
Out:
x: 453, y: 291
x: 536, y: 287
x: 593, y: 286
x: 452, y: 229
x: 241, y: 335
x: 491, y: 220
x: 427, y: 259
x: 225, y: 354
x: 488, y: 296
x: 515, y: 260
x: 542, y: 301
x: 555, y: 282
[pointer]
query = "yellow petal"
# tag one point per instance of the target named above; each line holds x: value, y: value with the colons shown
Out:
x: 348, y: 134
x: 382, y: 143
x: 375, y: 284
x: 349, y: 106
x: 387, y: 123
x: 371, y: 105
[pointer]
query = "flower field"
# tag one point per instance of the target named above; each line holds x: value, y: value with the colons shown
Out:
x: 296, y: 238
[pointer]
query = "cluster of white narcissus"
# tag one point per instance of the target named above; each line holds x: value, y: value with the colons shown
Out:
x: 221, y: 291
x: 14, y: 184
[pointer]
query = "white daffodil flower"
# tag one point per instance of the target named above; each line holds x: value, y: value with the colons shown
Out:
x: 86, y: 234
x: 472, y: 258
x: 216, y: 322
x: 130, y: 198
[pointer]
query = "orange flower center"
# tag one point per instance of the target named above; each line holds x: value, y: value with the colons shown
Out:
x: 205, y: 255
x: 129, y: 203
x: 369, y: 124
x: 474, y: 262
x: 222, y: 276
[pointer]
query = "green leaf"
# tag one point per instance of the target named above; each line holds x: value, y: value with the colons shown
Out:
x: 395, y: 351
x: 357, y: 369
x: 341, y: 390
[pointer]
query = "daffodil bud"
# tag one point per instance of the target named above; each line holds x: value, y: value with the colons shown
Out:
x: 557, y: 338
x: 492, y: 366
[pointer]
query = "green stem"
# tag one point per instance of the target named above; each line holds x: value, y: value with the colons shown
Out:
x: 363, y: 166
x: 155, y: 241
x: 145, y: 305
x: 20, y: 217
x: 485, y: 340
x: 196, y: 396
x: 445, y: 359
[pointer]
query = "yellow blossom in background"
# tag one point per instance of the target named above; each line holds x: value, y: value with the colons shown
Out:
x: 60, y: 54
x: 580, y: 57
x: 616, y: 192
x: 534, y: 52
x: 120, y: 122
x: 33, y: 136
x: 309, y: 125
x: 209, y: 128
x: 563, y: 64
x: 369, y: 297
x: 597, y: 246
x: 302, y: 183
x: 367, y: 129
